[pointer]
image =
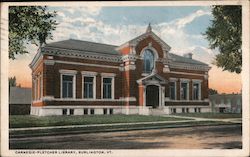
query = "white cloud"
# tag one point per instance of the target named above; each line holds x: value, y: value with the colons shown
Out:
x: 84, y: 11
x: 182, y: 22
x: 89, y: 28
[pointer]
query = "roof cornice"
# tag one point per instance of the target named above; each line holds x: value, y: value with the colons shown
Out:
x: 81, y: 54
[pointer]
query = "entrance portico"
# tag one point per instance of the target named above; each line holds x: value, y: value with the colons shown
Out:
x: 152, y: 91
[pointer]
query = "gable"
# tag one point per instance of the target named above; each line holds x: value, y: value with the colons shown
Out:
x: 149, y: 41
x: 152, y: 79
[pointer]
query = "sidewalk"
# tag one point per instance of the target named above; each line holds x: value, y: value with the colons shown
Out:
x: 96, y: 125
x: 232, y: 120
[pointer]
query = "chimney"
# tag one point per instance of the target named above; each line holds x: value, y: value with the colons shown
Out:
x: 188, y: 55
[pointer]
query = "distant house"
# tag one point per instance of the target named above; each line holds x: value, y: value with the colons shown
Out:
x: 226, y: 103
x: 19, y: 101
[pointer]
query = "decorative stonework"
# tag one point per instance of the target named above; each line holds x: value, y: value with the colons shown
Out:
x: 188, y: 66
x: 81, y: 54
x: 166, y: 69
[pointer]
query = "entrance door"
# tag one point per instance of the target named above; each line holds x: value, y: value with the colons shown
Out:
x: 152, y: 96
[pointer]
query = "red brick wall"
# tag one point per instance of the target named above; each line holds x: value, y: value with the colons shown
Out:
x: 125, y: 82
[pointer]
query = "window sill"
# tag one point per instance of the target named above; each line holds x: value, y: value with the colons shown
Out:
x: 145, y: 74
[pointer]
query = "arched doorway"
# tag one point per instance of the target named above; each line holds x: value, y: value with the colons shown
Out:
x: 152, y: 96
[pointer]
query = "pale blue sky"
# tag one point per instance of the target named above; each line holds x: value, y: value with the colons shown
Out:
x: 180, y: 26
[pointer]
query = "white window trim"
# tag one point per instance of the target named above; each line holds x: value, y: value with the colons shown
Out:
x: 175, y: 88
x: 155, y: 53
x: 199, y: 82
x: 108, y: 74
x: 185, y: 81
x: 113, y: 87
x: 74, y: 85
x: 199, y: 86
x: 35, y: 88
x: 94, y: 85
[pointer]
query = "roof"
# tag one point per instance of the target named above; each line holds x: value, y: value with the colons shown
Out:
x: 101, y: 48
x: 20, y: 95
x: 182, y: 59
x: 87, y: 46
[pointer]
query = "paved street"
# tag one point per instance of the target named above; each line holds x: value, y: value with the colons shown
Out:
x: 205, y: 137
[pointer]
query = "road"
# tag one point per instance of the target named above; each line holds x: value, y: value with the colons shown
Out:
x: 204, y: 137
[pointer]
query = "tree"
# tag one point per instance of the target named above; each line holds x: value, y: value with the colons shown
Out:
x: 212, y: 91
x: 12, y: 81
x: 225, y: 33
x: 29, y: 24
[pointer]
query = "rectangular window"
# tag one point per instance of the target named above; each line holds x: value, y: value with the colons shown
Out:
x: 184, y: 91
x: 174, y: 110
x: 104, y: 111
x: 172, y: 90
x: 67, y: 86
x: 71, y: 111
x: 85, y: 111
x: 107, y: 88
x: 199, y: 110
x: 92, y: 111
x: 183, y: 110
x: 187, y: 110
x: 88, y: 87
x: 64, y: 111
x: 195, y: 110
x: 111, y: 111
x: 41, y: 87
x: 196, y: 91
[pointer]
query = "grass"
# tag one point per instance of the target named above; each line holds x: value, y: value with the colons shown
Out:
x: 212, y: 115
x: 23, y: 121
x: 95, y: 129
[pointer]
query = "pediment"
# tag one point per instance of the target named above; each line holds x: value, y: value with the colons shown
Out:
x: 135, y: 41
x: 152, y: 79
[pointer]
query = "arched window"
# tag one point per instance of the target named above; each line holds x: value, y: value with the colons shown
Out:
x: 148, y: 61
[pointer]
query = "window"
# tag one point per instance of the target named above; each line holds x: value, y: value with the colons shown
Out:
x: 184, y: 91
x: 41, y: 89
x: 67, y: 86
x: 107, y: 88
x: 187, y: 110
x: 104, y: 111
x: 148, y: 61
x: 64, y: 111
x: 88, y: 87
x: 172, y: 90
x: 199, y: 109
x: 111, y: 111
x: 71, y: 111
x: 196, y: 91
x: 85, y: 111
x: 92, y: 111
x: 173, y: 110
x: 183, y: 110
x: 195, y: 110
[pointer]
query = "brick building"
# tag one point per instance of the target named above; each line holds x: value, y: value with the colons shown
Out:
x: 141, y: 76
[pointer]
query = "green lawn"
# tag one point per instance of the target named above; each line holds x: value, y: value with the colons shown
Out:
x: 212, y: 115
x: 22, y: 121
x: 113, y: 128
